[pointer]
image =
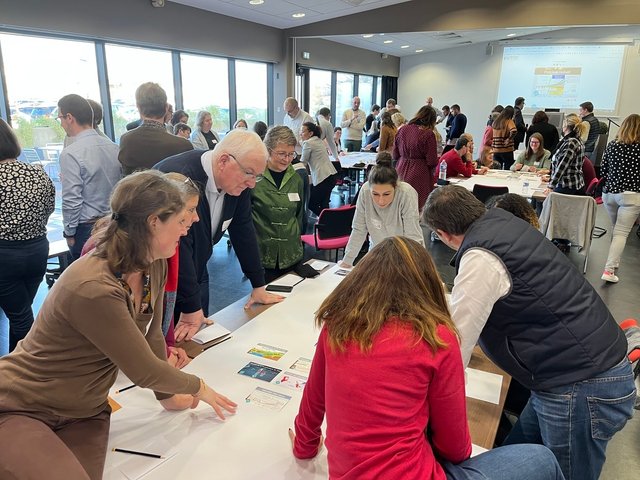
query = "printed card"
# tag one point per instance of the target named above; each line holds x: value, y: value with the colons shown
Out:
x: 291, y: 380
x: 268, y: 399
x: 302, y: 366
x: 261, y: 372
x: 267, y: 351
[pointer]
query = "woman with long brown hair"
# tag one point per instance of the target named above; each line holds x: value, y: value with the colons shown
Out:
x: 535, y: 158
x: 504, y: 131
x: 388, y: 374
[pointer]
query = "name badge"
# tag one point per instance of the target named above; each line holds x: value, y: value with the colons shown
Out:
x: 293, y: 197
x: 226, y: 224
x: 376, y: 223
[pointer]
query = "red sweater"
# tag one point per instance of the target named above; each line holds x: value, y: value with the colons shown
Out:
x: 379, y: 405
x: 455, y: 165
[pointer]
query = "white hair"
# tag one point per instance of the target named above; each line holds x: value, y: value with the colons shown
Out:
x: 241, y: 143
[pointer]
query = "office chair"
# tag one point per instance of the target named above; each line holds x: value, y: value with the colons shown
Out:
x: 332, y: 230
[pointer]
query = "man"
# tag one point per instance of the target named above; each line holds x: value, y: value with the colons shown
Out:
x: 372, y: 125
x: 456, y: 161
x: 353, y: 121
x: 518, y: 105
x: 89, y: 170
x: 324, y: 121
x: 429, y: 101
x: 445, y: 117
x: 97, y: 120
x: 294, y: 118
x: 538, y: 318
x: 224, y: 176
x: 390, y: 106
x: 182, y: 130
x: 143, y: 147
x: 586, y: 113
x: 458, y: 124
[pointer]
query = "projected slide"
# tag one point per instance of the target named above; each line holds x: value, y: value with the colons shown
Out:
x: 562, y: 76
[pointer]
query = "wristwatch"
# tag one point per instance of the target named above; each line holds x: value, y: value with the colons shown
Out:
x: 64, y: 234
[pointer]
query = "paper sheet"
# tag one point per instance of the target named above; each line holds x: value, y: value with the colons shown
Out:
x: 210, y: 333
x: 319, y: 265
x: 477, y: 450
x: 288, y: 280
x: 483, y: 385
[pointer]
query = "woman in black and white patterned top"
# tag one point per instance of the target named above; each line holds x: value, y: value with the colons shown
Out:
x: 27, y: 198
x: 621, y: 192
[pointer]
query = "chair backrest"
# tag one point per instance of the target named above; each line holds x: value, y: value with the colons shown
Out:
x: 594, y: 189
x: 335, y: 222
x: 570, y: 217
x: 485, y: 192
x: 601, y: 143
x: 588, y: 171
x: 30, y: 155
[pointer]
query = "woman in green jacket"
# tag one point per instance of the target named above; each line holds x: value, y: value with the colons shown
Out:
x: 278, y: 206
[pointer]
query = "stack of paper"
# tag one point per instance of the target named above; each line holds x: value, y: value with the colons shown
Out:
x: 213, y: 333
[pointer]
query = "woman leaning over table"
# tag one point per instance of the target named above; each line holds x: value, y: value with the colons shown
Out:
x: 316, y: 158
x: 27, y: 197
x: 566, y: 162
x: 535, y: 158
x: 385, y: 207
x: 203, y: 137
x: 278, y: 206
x: 102, y: 315
x: 621, y: 192
x: 387, y: 372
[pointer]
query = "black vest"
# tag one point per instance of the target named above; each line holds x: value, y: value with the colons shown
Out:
x: 552, y: 328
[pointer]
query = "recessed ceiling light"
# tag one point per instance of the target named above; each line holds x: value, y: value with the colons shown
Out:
x: 256, y: 2
x: 388, y: 41
x: 404, y: 46
x: 512, y: 35
x: 381, y: 34
x: 419, y: 50
x: 298, y: 15
x: 367, y: 35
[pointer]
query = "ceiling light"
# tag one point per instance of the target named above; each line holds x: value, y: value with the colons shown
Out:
x: 512, y: 35
x: 367, y: 35
x: 404, y: 46
x: 381, y: 34
x: 419, y: 50
x: 388, y: 41
x: 256, y: 2
x: 298, y: 15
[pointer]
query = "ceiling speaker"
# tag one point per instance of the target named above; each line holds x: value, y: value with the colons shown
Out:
x: 157, y: 3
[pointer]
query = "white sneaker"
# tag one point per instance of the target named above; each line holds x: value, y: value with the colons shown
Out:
x: 609, y: 276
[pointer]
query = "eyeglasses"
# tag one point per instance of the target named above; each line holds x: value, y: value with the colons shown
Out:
x: 191, y: 183
x: 247, y: 173
x: 60, y: 117
x: 283, y: 155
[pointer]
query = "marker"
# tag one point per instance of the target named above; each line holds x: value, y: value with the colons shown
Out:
x: 125, y: 389
x: 133, y: 452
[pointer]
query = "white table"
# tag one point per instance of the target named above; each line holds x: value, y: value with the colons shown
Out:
x: 350, y: 159
x: 503, y: 178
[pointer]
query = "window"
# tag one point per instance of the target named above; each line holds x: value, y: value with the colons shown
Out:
x: 379, y: 92
x: 365, y: 92
x: 37, y: 76
x: 205, y: 86
x: 344, y: 94
x: 320, y: 90
x: 251, y: 91
x: 125, y: 76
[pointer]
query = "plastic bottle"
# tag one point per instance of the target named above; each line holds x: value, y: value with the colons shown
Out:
x: 525, y: 187
x: 442, y: 174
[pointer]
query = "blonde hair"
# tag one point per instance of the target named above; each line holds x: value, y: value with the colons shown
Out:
x: 398, y: 119
x: 575, y: 124
x: 629, y: 132
x: 397, y: 279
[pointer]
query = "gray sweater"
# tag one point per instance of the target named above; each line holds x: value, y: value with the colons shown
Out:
x: 400, y: 217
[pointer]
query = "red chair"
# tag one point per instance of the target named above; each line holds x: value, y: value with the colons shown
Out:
x: 332, y: 230
x: 588, y: 171
x: 594, y: 189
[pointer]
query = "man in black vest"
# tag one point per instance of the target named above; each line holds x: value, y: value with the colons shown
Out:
x: 224, y: 176
x: 538, y: 319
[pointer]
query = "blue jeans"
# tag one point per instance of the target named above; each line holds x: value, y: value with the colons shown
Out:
x: 623, y: 209
x: 524, y: 462
x: 576, y: 421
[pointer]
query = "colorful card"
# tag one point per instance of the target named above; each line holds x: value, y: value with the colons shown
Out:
x: 268, y: 399
x: 261, y: 372
x: 302, y: 366
x: 291, y: 380
x: 267, y: 351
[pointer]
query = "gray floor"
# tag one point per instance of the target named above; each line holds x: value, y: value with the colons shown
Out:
x: 623, y: 299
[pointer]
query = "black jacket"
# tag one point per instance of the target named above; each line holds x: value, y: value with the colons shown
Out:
x: 520, y: 125
x: 549, y: 134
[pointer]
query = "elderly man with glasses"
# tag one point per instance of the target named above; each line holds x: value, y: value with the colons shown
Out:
x: 224, y: 176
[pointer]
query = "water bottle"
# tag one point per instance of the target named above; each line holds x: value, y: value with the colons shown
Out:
x: 442, y: 174
x: 525, y: 187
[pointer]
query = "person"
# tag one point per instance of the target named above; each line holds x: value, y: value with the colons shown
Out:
x: 24, y: 247
x: 260, y: 128
x: 387, y: 373
x: 521, y: 128
x: 458, y: 124
x: 621, y: 191
x: 323, y: 173
x: 337, y: 140
x: 504, y: 131
x: 146, y: 145
x: 486, y: 160
x: 329, y: 133
x: 444, y: 116
x: 182, y: 130
x: 457, y: 163
x: 277, y: 204
x: 517, y: 205
x: 540, y: 124
x: 89, y: 170
x: 561, y: 343
x: 168, y: 114
x: 223, y: 176
x: 179, y: 116
x: 415, y: 150
x: 62, y: 431
x: 566, y: 163
x: 385, y: 207
x: 535, y: 158
x: 487, y: 136
x: 353, y: 121
x: 294, y: 118
x: 387, y: 133
x: 240, y: 123
x: 586, y: 113
x: 372, y: 127
x: 398, y: 120
x: 203, y: 137
x: 390, y: 106
x: 97, y: 120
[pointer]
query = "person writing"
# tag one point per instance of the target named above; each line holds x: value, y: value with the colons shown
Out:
x: 388, y: 374
x: 535, y: 158
x: 104, y: 314
x: 385, y: 207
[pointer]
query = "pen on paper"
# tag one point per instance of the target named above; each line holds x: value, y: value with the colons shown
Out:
x: 125, y: 389
x: 133, y: 452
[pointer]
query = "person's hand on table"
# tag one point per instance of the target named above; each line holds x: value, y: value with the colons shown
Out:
x: 532, y: 169
x: 179, y: 402
x: 178, y: 358
x: 518, y: 167
x: 483, y: 171
x: 260, y: 295
x: 345, y: 265
x: 217, y: 401
x: 292, y: 437
x: 189, y: 324
x: 545, y: 178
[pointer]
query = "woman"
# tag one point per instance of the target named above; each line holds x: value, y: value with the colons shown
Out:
x: 241, y: 123
x: 504, y: 130
x: 260, y: 128
x: 388, y: 373
x: 202, y: 137
x: 179, y: 116
x: 535, y: 158
x: 385, y: 207
x: 27, y: 196
x: 487, y: 136
x: 397, y: 118
x: 323, y: 173
x: 517, y: 205
x: 540, y: 124
x: 337, y: 140
x: 486, y: 160
x: 106, y: 308
x: 566, y: 163
x: 621, y: 191
x: 387, y: 133
x: 278, y: 206
x: 415, y: 150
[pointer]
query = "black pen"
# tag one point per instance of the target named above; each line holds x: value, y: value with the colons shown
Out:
x: 133, y: 452
x: 125, y: 389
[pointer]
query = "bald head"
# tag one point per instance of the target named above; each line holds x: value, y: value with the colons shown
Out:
x: 291, y: 106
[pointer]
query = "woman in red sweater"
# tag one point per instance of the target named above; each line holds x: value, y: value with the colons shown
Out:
x: 388, y: 374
